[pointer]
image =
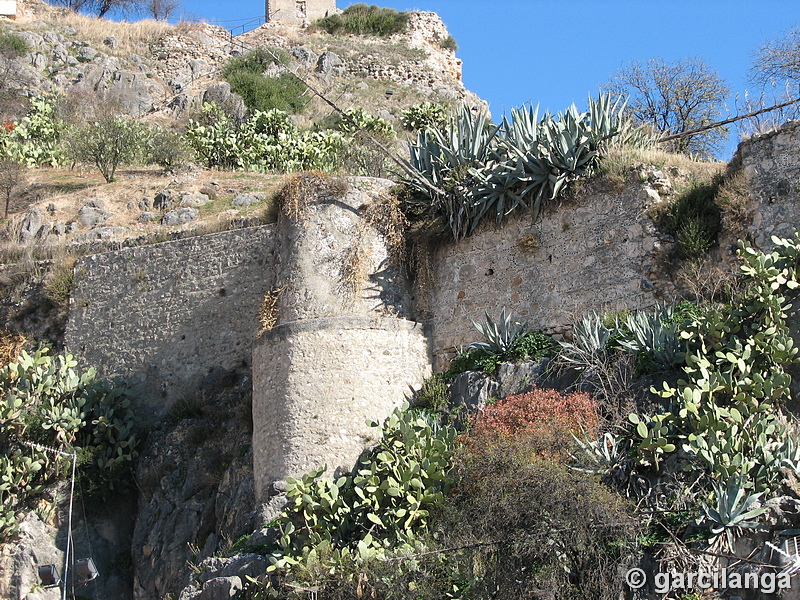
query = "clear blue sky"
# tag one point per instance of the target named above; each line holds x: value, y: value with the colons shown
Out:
x: 556, y: 52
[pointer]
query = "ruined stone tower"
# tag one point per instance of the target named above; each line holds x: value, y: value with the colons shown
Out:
x: 299, y: 12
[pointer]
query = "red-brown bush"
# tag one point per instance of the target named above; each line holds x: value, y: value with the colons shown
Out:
x: 539, y: 408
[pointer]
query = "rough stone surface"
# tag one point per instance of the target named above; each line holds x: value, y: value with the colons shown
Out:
x: 471, y: 390
x: 196, y: 483
x: 91, y: 216
x: 180, y: 216
x: 318, y: 381
x: 516, y: 378
x: 163, y: 315
x: 194, y: 199
x: 165, y: 199
x: 31, y: 224
x: 99, y: 234
x: 248, y: 198
x: 538, y: 271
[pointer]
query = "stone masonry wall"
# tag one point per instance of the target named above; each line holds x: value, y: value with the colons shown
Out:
x: 772, y: 162
x: 595, y: 252
x: 163, y: 315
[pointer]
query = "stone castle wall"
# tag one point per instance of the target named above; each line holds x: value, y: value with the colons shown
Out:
x: 164, y: 315
x: 597, y: 251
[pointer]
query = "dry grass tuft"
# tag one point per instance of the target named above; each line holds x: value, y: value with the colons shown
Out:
x: 11, y: 344
x: 354, y: 265
x: 387, y: 217
x: 134, y: 37
x: 268, y: 315
x: 299, y: 190
x: 732, y: 198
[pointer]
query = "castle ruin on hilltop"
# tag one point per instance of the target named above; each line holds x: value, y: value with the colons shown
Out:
x: 298, y: 12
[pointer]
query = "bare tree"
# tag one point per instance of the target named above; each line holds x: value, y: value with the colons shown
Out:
x: 777, y: 60
x: 12, y: 175
x: 673, y: 98
x: 161, y: 9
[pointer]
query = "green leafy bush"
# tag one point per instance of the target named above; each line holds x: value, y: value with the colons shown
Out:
x: 107, y: 144
x: 434, y: 393
x: 13, y: 45
x: 359, y: 155
x: 36, y: 139
x: 424, y: 115
x: 266, y: 142
x: 449, y: 43
x: 246, y: 75
x: 167, y: 148
x: 694, y: 218
x: 45, y: 401
x: 379, y: 508
x: 525, y: 523
x: 363, y: 19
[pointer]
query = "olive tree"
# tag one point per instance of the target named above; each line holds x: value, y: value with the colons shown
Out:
x: 673, y: 98
x: 107, y: 143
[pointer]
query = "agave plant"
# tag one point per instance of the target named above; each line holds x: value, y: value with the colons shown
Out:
x: 654, y: 333
x: 597, y: 456
x: 526, y: 161
x: 502, y: 336
x: 590, y: 337
x: 733, y: 511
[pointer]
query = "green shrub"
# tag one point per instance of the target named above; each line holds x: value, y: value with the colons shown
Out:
x: 45, y: 401
x: 473, y: 360
x: 255, y: 61
x: 13, y: 45
x: 167, y: 148
x: 529, y: 523
x: 284, y: 92
x: 379, y: 508
x: 266, y: 142
x: 534, y: 346
x: 246, y: 75
x: 449, y: 43
x: 359, y: 155
x: 362, y: 19
x: 694, y: 219
x: 108, y: 144
x: 424, y: 115
x: 434, y: 393
x: 36, y: 139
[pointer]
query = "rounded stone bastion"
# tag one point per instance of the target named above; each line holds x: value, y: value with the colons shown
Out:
x: 316, y: 384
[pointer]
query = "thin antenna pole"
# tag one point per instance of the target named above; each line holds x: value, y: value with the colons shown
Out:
x: 74, y: 456
x: 69, y: 526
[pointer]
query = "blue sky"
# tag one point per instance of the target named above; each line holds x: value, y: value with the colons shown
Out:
x: 553, y: 53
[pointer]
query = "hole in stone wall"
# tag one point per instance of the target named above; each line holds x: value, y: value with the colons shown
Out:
x: 223, y: 292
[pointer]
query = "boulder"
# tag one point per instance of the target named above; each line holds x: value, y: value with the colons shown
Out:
x: 220, y: 588
x: 164, y: 199
x: 471, y: 390
x: 100, y: 234
x: 329, y: 65
x: 111, y: 42
x: 516, y: 378
x: 91, y: 216
x: 180, y: 216
x: 221, y: 94
x: 31, y: 224
x: 194, y: 199
x: 87, y: 53
x: 303, y: 55
x: 148, y: 216
x: 248, y: 198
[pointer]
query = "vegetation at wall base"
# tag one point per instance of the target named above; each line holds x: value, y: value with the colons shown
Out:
x: 364, y: 19
x: 46, y: 401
